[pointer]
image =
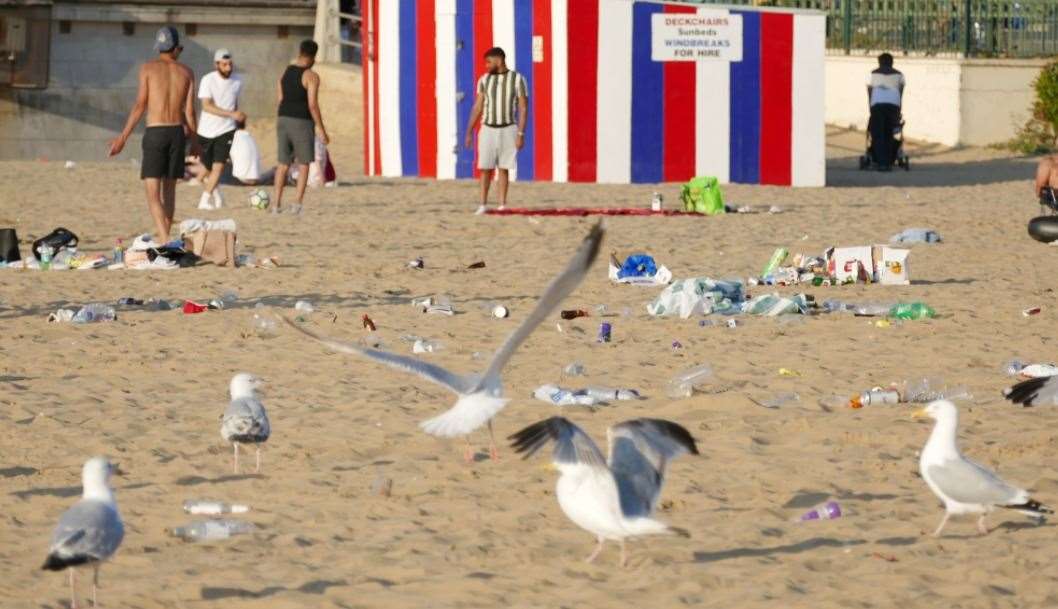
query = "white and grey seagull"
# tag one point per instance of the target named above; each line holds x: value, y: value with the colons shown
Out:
x: 612, y: 498
x: 480, y: 396
x: 1040, y: 391
x: 89, y: 532
x: 964, y: 486
x: 245, y: 419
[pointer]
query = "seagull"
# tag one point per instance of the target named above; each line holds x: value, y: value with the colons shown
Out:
x: 964, y: 486
x: 89, y: 532
x: 1041, y: 390
x: 480, y: 396
x: 613, y: 498
x: 245, y: 419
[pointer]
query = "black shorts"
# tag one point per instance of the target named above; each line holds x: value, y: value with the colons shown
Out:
x: 163, y: 152
x: 216, y: 149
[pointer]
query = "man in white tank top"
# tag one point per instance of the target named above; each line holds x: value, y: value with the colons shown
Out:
x: 885, y: 94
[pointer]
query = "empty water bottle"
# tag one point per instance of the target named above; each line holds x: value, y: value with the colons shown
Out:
x: 828, y: 510
x: 210, y: 530
x: 425, y: 346
x: 95, y: 312
x: 574, y: 369
x: 264, y: 326
x: 558, y: 396
x: 924, y: 390
x: 210, y: 507
x: 605, y: 394
x: 684, y: 384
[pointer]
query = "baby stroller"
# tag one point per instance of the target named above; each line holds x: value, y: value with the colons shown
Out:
x: 868, y: 160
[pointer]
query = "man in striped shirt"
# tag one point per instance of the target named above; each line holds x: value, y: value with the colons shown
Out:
x: 502, y: 104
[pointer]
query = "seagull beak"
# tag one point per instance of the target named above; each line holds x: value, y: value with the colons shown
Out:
x: 919, y: 414
x: 549, y: 466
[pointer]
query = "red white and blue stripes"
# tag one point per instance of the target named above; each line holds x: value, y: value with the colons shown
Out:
x: 601, y: 110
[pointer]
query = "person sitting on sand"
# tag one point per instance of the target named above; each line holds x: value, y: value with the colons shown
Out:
x: 1047, y: 181
x: 244, y: 168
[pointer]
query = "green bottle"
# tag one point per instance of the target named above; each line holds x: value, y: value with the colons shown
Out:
x: 911, y: 311
x: 777, y: 258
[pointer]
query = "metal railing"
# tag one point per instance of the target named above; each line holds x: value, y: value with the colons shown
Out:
x: 969, y: 28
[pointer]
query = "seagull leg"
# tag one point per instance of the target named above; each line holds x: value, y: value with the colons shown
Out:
x: 235, y: 459
x: 982, y: 528
x: 624, y: 554
x: 73, y: 588
x: 468, y: 452
x: 595, y: 553
x: 940, y: 527
x: 494, y: 454
x: 257, y: 469
x: 95, y: 584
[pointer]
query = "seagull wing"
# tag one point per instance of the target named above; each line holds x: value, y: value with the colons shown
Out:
x: 572, y: 445
x: 458, y: 384
x: 1042, y: 390
x: 244, y: 420
x: 639, y: 452
x: 559, y: 288
x: 88, y: 531
x: 964, y: 481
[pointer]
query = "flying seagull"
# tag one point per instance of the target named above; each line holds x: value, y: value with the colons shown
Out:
x: 612, y: 498
x: 480, y: 396
x: 245, y: 419
x: 964, y: 486
x: 89, y: 532
x: 1038, y: 391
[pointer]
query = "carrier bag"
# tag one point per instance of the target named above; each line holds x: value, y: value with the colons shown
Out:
x: 702, y: 195
x: 216, y: 246
x: 58, y: 239
x: 9, y: 246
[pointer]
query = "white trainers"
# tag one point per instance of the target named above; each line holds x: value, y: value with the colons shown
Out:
x: 501, y: 208
x: 480, y: 211
x: 203, y: 202
x: 218, y: 199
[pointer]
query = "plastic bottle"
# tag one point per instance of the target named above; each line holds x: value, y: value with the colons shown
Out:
x: 684, y: 384
x: 425, y: 346
x: 574, y: 369
x: 911, y: 311
x: 304, y: 306
x: 209, y: 530
x: 924, y: 390
x: 872, y: 309
x: 46, y: 252
x: 828, y: 510
x: 119, y: 252
x: 95, y: 313
x: 605, y: 394
x: 777, y: 258
x: 875, y: 397
x: 207, y: 506
x: 562, y: 397
x: 263, y: 326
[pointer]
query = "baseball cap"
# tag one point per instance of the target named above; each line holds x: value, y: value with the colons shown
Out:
x: 166, y: 39
x: 221, y: 54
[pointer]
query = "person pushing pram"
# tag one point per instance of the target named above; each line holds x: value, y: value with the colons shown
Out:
x: 885, y: 93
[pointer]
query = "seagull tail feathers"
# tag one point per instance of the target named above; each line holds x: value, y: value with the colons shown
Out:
x: 1031, y: 508
x: 469, y: 413
x: 649, y: 526
x: 54, y: 562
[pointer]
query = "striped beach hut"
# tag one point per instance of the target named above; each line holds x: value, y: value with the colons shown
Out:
x: 620, y: 91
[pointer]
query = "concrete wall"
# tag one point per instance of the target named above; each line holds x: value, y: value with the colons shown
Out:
x: 949, y: 101
x: 93, y: 79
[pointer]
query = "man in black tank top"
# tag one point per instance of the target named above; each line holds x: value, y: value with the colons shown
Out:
x: 299, y: 123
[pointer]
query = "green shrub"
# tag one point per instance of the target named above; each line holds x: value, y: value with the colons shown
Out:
x: 1037, y: 135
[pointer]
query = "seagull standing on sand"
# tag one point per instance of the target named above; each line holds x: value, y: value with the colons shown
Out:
x: 245, y: 419
x: 89, y: 532
x: 480, y: 396
x: 964, y: 486
x: 613, y: 498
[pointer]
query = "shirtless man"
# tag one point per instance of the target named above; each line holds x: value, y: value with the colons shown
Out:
x: 1047, y: 175
x: 166, y: 94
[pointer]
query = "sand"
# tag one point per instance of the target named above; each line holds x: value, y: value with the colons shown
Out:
x: 149, y: 388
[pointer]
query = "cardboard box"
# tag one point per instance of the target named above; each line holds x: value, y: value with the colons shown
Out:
x: 880, y: 263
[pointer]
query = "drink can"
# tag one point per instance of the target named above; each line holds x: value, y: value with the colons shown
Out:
x: 604, y: 332
x: 878, y: 397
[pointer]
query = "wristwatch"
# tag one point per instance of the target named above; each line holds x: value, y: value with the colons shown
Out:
x: 521, y: 134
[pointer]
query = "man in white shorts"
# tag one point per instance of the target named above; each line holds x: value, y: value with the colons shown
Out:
x: 502, y: 104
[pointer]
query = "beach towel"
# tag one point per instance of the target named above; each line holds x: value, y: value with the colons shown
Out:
x: 589, y: 211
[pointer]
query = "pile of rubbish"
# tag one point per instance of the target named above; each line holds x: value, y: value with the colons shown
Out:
x: 837, y: 266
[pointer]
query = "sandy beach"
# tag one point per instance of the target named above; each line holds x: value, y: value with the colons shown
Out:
x: 148, y: 389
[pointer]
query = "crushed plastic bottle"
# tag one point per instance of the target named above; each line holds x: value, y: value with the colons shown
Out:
x: 871, y: 309
x: 924, y: 390
x: 685, y: 383
x: 211, y: 530
x: 779, y: 400
x: 94, y: 313
x: 605, y: 394
x: 574, y: 369
x: 263, y: 325
x: 912, y: 311
x: 827, y: 510
x: 304, y: 306
x: 425, y: 346
x: 558, y: 396
x: 210, y: 507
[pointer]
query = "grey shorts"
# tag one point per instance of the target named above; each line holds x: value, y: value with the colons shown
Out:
x: 296, y: 139
x: 497, y: 147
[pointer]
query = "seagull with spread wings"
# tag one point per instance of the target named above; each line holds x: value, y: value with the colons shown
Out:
x: 612, y: 498
x: 480, y: 396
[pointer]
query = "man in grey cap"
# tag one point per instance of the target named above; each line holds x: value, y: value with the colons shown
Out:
x: 166, y: 95
x: 219, y: 93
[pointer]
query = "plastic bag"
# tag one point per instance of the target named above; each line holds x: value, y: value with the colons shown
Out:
x: 702, y: 195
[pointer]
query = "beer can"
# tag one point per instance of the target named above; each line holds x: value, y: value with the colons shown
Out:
x: 604, y: 332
